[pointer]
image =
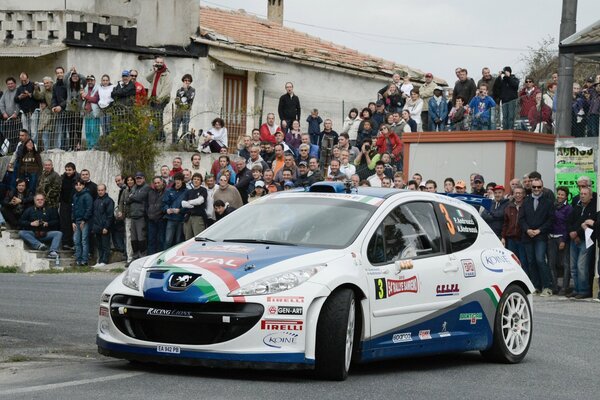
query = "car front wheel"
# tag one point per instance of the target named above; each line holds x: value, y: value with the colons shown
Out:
x: 513, y: 327
x: 336, y: 335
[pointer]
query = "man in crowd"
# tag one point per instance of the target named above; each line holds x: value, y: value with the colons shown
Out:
x: 138, y: 204
x: 511, y: 229
x: 124, y: 91
x: 102, y: 220
x: 426, y: 93
x: 194, y: 206
x: 289, y: 105
x: 375, y: 179
x: 478, y: 182
x: 196, y: 168
x: 81, y: 218
x: 464, y: 86
x: 39, y: 225
x: 242, y: 179
x: 140, y: 91
x: 536, y: 219
x: 482, y: 106
x: 209, y: 183
x: 28, y: 105
x: 227, y: 193
x: 118, y: 229
x: 159, y: 93
x: 487, y: 79
x: 495, y: 216
x: 334, y: 172
x: 174, y: 215
x: 155, y: 214
x: 9, y: 110
x: 268, y: 129
x: 49, y: 184
x: 506, y: 88
x: 256, y: 159
x: 67, y: 190
x: 581, y: 255
x: 84, y: 174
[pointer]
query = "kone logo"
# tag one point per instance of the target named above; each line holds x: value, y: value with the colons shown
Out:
x: 280, y: 339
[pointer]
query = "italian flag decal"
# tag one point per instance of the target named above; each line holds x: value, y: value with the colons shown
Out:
x: 495, y: 293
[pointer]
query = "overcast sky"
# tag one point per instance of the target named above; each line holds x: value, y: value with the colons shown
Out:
x: 392, y: 29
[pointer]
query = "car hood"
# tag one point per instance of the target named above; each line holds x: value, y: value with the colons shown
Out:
x: 199, y: 272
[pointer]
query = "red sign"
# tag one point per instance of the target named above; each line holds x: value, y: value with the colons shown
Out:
x: 281, y: 325
x: 402, y: 286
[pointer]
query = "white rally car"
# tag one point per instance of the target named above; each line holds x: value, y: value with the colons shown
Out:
x: 321, y: 279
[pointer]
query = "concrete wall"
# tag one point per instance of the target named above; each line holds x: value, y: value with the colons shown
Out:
x: 439, y: 161
x: 531, y: 157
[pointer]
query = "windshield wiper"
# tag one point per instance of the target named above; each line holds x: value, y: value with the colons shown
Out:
x: 202, y: 239
x: 260, y: 241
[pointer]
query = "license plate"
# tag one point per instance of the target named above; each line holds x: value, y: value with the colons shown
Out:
x: 168, y: 349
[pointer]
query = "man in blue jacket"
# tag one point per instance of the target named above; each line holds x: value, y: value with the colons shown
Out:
x: 40, y: 225
x: 102, y: 221
x: 535, y: 218
x: 81, y: 218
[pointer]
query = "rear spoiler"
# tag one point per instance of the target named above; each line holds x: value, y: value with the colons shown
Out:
x: 472, y: 199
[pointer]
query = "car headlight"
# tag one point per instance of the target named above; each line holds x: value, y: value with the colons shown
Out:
x: 131, y: 279
x: 277, y: 283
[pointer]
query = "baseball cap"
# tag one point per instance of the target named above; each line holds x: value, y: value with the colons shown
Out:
x: 478, y: 178
x: 259, y: 184
x: 125, y: 73
x: 90, y: 78
x: 438, y: 88
x: 379, y: 103
x: 498, y: 187
x: 288, y: 183
x: 139, y: 174
x: 461, y: 184
x: 303, y: 163
x: 590, y: 79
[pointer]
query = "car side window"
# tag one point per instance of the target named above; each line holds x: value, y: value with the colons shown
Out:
x: 461, y: 226
x: 411, y: 230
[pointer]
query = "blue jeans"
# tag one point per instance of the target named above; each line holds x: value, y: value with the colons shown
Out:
x: 539, y: 271
x: 30, y: 122
x: 180, y: 118
x: 174, y: 233
x: 2, y: 220
x: 580, y: 265
x: 481, y: 124
x: 82, y: 242
x: 52, y: 237
x: 509, y: 110
x: 60, y: 131
x: 105, y: 122
x: 519, y: 250
x: 156, y: 235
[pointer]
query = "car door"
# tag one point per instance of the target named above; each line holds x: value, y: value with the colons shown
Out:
x: 406, y: 256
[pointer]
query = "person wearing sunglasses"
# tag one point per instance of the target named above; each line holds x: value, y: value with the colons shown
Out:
x: 527, y: 100
x: 536, y: 220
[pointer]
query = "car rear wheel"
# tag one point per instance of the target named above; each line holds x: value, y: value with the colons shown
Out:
x: 513, y: 328
x: 335, y: 335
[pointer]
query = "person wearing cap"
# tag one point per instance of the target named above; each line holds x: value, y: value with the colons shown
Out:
x: 258, y: 192
x: 137, y: 200
x: 288, y: 185
x: 437, y: 111
x: 506, y: 89
x: 378, y: 117
x: 478, y: 188
x: 304, y: 180
x: 460, y: 187
x: 426, y: 91
x: 91, y: 111
x: 495, y: 216
x: 124, y: 91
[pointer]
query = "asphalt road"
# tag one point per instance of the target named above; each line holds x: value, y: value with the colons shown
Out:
x: 47, y: 351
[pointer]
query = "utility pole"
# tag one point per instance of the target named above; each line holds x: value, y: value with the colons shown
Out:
x: 564, y: 94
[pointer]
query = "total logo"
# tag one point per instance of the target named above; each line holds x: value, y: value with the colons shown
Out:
x: 280, y: 339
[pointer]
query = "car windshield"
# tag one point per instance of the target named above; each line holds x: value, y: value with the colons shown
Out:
x: 302, y: 221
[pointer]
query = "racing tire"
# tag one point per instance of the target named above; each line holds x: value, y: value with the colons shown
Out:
x: 513, y: 328
x: 336, y: 335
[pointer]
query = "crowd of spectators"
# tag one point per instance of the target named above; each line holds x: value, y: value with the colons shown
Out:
x: 153, y: 213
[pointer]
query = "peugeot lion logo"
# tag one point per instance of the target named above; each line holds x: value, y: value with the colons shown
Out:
x: 181, y: 281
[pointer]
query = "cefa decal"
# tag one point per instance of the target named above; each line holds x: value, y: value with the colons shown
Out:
x: 496, y: 260
x: 281, y: 325
x: 280, y: 339
x: 391, y: 287
x: 223, y: 262
x: 450, y: 289
x: 468, y: 268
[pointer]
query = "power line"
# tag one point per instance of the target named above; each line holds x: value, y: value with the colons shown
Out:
x: 397, y: 39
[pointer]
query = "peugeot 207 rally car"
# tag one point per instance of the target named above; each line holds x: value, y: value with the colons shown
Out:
x: 321, y: 279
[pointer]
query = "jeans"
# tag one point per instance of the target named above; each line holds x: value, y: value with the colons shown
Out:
x: 60, y: 130
x: 481, y: 124
x: 156, y: 235
x: 2, y: 220
x: 105, y: 122
x: 103, y: 242
x: 539, y: 272
x: 157, y: 121
x: 517, y: 247
x: 81, y: 239
x: 580, y: 267
x: 509, y: 110
x: 54, y: 237
x: 30, y: 122
x: 557, y: 260
x: 47, y: 140
x: 174, y: 233
x: 92, y: 131
x: 118, y: 235
x: 181, y: 118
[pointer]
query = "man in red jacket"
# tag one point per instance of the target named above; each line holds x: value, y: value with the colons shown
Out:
x: 527, y: 99
x: 268, y: 129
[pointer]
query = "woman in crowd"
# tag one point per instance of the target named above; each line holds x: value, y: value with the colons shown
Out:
x: 351, y: 124
x: 30, y: 165
x: 215, y: 137
x: 124, y: 214
x: 104, y: 101
x: 293, y: 137
x: 91, y: 111
x: 74, y: 120
x: 414, y: 105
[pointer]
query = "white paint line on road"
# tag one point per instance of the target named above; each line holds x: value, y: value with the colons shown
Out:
x: 19, y: 321
x: 52, y: 386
